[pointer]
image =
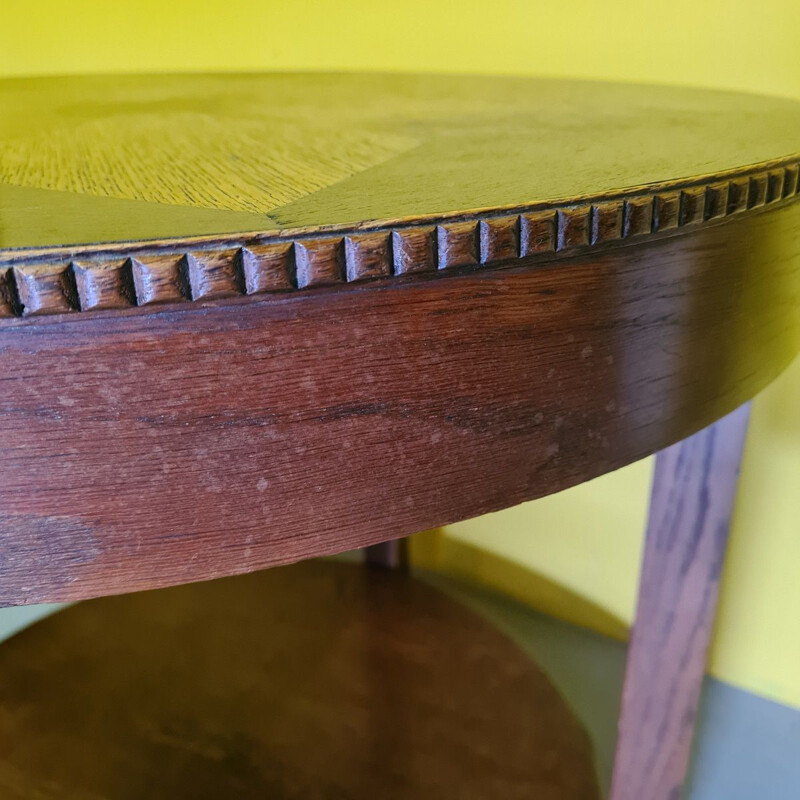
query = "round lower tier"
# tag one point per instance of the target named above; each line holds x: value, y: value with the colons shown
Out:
x: 319, y: 681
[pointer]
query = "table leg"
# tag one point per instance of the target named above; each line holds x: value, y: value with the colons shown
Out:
x: 690, y: 507
x: 388, y: 555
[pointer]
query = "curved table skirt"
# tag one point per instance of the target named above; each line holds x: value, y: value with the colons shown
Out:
x: 145, y: 448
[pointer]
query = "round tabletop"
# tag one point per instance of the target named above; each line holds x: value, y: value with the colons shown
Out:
x: 248, y: 319
x: 212, y: 154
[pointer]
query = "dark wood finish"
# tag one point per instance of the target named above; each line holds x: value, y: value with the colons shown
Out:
x: 37, y: 281
x: 388, y: 555
x: 693, y: 492
x: 317, y: 312
x: 326, y: 180
x: 143, y: 449
x: 321, y: 312
x: 318, y: 681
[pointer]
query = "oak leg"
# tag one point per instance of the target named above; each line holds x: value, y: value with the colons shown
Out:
x: 388, y: 555
x: 690, y: 507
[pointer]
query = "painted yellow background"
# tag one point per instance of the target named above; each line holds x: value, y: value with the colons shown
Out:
x: 587, y: 539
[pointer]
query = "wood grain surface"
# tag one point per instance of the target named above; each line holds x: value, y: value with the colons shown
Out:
x: 160, y: 189
x: 120, y: 158
x: 144, y: 449
x: 694, y: 486
x: 37, y: 281
x: 451, y: 295
x: 319, y: 681
x: 327, y: 311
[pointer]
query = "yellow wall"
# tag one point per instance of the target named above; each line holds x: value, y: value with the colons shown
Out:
x: 588, y: 539
x: 731, y: 43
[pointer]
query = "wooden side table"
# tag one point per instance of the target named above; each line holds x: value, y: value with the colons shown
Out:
x: 248, y: 320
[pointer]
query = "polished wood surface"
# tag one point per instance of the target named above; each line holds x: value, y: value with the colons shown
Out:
x: 141, y: 450
x: 485, y: 291
x: 90, y: 159
x: 247, y: 320
x: 146, y: 274
x: 138, y: 191
x: 694, y: 486
x: 310, y: 682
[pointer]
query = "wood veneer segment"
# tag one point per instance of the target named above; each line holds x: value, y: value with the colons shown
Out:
x: 201, y: 440
x: 218, y: 268
x: 320, y: 680
x: 308, y: 153
x: 694, y: 486
x: 391, y: 176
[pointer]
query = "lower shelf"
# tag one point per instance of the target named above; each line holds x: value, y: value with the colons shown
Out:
x: 319, y: 681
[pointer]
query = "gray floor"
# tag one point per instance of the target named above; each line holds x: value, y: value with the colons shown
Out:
x: 747, y: 748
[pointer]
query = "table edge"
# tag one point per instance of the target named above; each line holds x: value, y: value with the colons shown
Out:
x: 124, y: 275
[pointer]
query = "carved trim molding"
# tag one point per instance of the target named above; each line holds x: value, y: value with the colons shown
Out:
x: 119, y: 276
